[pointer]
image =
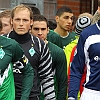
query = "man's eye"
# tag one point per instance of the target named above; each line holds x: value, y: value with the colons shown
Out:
x: 4, y: 25
x: 43, y: 29
x: 36, y: 29
x: 25, y: 20
x: 17, y: 19
x: 72, y: 18
x: 66, y: 17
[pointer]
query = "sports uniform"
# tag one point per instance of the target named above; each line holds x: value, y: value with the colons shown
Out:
x: 87, y: 53
x: 11, y: 53
x: 59, y: 65
x: 59, y: 40
x: 68, y: 39
x: 54, y: 38
x: 38, y: 54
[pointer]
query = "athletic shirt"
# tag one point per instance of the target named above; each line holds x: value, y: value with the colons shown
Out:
x: 38, y: 54
x: 68, y: 39
x: 59, y: 65
x: 10, y: 51
x: 88, y: 52
x: 60, y: 41
x: 54, y: 38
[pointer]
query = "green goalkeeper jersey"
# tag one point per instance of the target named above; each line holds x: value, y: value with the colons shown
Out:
x: 11, y: 53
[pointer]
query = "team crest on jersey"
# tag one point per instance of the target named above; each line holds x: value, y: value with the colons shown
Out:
x: 2, y: 53
x: 32, y: 51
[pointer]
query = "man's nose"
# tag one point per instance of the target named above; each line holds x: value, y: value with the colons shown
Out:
x: 70, y: 20
x: 40, y: 32
x: 21, y: 22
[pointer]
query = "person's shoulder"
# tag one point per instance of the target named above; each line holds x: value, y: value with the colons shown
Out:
x: 8, y: 40
x: 38, y: 41
x: 92, y: 29
x: 51, y: 32
x: 10, y: 43
x: 55, y: 47
x: 72, y: 33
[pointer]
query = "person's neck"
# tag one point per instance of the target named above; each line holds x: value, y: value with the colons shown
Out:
x: 20, y: 38
x: 61, y: 32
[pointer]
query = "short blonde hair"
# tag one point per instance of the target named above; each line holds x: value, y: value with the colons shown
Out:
x: 21, y: 7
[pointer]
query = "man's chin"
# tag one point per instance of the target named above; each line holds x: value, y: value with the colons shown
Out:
x: 21, y: 33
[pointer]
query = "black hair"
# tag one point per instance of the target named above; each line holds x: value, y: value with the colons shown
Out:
x: 63, y: 9
x: 40, y: 18
x: 52, y: 25
x: 35, y: 11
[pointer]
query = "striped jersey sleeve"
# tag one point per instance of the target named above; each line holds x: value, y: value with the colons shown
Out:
x: 45, y: 72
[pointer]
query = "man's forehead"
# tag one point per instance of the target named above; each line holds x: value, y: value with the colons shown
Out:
x: 39, y: 23
x: 67, y: 14
x: 25, y: 11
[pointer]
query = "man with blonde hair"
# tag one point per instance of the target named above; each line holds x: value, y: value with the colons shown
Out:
x: 36, y: 51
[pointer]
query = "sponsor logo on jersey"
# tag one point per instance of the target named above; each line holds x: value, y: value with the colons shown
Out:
x: 16, y: 70
x: 96, y: 58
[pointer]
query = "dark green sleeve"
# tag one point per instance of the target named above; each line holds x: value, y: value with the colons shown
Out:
x: 60, y: 66
x: 27, y: 81
x: 61, y: 76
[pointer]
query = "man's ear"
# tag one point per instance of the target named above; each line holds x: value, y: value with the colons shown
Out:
x: 48, y: 30
x: 57, y: 18
x: 31, y: 22
x: 11, y: 21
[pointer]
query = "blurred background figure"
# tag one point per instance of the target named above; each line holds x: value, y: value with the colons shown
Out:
x: 5, y: 17
x: 72, y: 28
x: 96, y: 16
x: 35, y: 11
x: 0, y: 25
x: 52, y: 25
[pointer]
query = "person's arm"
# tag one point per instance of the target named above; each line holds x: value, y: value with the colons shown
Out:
x: 61, y: 75
x: 22, y: 63
x: 46, y: 74
x: 76, y: 70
